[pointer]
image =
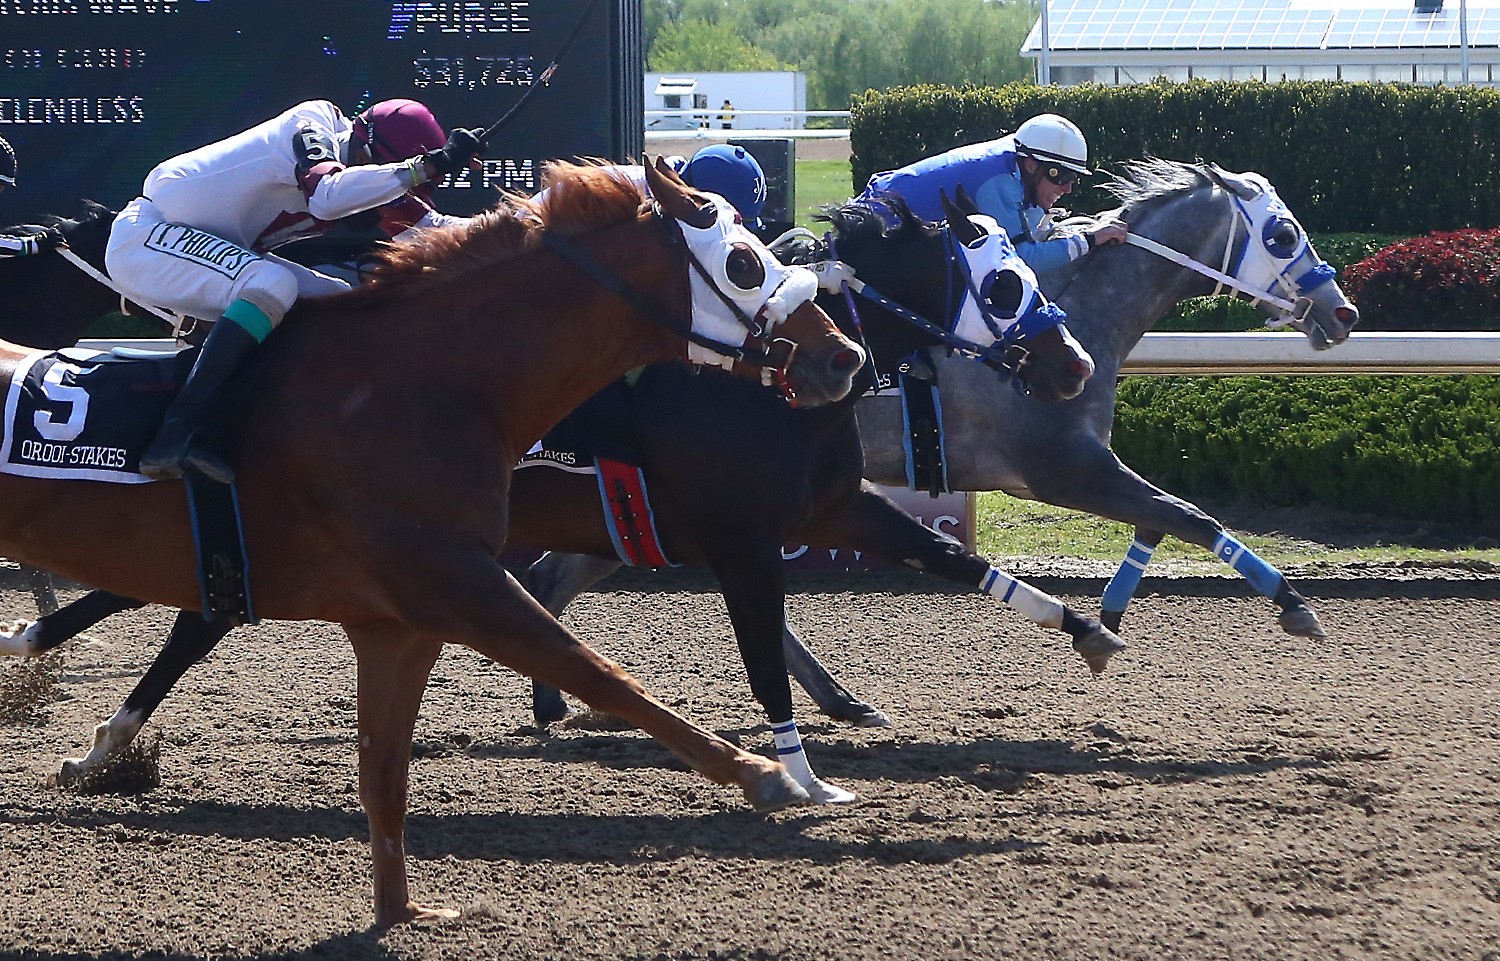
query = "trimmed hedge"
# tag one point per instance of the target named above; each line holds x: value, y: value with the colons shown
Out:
x: 1416, y: 447
x: 1387, y: 157
x: 1442, y: 281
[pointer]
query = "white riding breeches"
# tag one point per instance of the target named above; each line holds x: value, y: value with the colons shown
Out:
x: 194, y: 273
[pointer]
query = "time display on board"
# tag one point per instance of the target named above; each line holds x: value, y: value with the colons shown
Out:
x: 94, y: 93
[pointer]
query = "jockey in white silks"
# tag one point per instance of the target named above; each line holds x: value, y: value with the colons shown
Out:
x: 1015, y: 180
x: 197, y: 240
x: 22, y: 239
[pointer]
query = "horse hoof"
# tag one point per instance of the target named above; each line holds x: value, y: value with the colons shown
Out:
x: 822, y: 792
x: 72, y: 770
x: 16, y: 638
x: 413, y: 913
x: 861, y: 715
x: 1097, y: 647
x: 1300, y: 621
x: 775, y: 791
x: 546, y: 714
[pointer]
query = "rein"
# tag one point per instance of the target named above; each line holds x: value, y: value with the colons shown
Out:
x: 1291, y: 310
x: 93, y: 273
x: 1005, y: 357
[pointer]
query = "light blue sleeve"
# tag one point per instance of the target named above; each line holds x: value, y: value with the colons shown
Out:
x: 1003, y: 198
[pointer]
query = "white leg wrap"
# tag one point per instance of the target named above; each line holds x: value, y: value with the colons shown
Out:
x: 1040, y: 607
x: 789, y: 752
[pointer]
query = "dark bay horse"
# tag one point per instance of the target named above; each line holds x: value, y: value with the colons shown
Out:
x: 731, y: 479
x: 46, y: 301
x: 1059, y: 453
x: 376, y: 498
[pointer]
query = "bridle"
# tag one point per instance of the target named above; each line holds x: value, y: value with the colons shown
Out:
x: 1291, y: 311
x: 761, y: 349
x: 1006, y: 355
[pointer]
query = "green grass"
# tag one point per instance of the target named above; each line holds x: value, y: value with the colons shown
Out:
x: 1008, y: 527
x: 820, y: 182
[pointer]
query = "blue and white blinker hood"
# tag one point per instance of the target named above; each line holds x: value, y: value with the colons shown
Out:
x: 1000, y: 303
x: 1278, y: 259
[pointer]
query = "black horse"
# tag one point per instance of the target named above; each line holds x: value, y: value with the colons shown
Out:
x: 788, y: 474
x: 47, y: 300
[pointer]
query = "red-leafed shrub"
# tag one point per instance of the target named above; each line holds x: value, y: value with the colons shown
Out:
x: 1440, y: 281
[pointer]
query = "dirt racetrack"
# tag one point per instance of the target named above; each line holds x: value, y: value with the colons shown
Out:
x: 1224, y: 792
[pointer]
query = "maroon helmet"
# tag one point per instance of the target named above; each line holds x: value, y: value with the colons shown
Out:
x: 397, y: 130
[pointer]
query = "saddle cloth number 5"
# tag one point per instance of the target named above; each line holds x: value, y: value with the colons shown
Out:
x: 59, y: 393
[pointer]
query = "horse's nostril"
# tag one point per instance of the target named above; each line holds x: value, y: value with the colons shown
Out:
x: 1080, y: 368
x: 845, y: 360
x: 1347, y: 316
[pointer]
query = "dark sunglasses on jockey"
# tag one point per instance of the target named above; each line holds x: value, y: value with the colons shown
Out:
x: 1060, y: 176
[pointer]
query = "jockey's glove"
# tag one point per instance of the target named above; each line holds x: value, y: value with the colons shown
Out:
x: 35, y: 238
x: 462, y: 147
x: 833, y: 275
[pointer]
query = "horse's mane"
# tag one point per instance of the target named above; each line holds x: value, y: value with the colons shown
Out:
x: 1152, y: 178
x: 580, y: 198
x: 92, y: 212
x: 886, y: 216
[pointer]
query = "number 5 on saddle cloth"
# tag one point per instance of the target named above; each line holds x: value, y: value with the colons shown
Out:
x: 84, y: 415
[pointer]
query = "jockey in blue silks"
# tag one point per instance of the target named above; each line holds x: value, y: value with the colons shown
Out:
x: 1014, y: 179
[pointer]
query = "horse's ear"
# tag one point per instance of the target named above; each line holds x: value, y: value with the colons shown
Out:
x: 1241, y: 187
x: 665, y: 169
x: 676, y: 198
x: 966, y: 230
x: 963, y: 201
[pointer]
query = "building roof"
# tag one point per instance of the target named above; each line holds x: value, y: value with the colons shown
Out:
x: 1140, y: 25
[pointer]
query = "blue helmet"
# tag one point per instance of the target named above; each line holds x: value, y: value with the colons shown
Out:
x: 732, y: 173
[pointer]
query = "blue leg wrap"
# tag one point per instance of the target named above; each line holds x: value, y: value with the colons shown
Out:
x: 1121, y: 588
x: 1262, y: 576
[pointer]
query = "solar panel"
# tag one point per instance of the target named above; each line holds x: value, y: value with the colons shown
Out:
x: 1260, y: 25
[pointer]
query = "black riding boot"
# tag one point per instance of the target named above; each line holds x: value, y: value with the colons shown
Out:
x: 173, y: 451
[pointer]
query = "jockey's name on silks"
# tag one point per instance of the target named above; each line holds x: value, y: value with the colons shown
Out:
x: 202, y: 248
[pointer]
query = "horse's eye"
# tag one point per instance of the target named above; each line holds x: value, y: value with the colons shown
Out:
x: 1002, y: 290
x: 743, y: 268
x: 1282, y: 238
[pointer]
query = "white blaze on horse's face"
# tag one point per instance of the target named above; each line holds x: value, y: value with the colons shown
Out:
x: 745, y: 274
x: 1003, y: 299
x: 1280, y: 259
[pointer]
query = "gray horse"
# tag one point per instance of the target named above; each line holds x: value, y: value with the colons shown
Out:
x: 1059, y: 453
x: 1234, y: 224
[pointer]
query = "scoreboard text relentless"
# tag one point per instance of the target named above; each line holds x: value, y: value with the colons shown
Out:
x: 94, y: 93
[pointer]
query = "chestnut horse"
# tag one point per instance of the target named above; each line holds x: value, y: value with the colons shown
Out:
x: 734, y: 473
x: 376, y: 464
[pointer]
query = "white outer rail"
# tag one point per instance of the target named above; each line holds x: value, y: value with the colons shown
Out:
x: 1263, y: 352
x: 1257, y: 352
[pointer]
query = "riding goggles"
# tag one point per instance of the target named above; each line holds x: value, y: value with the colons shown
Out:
x: 1060, y: 176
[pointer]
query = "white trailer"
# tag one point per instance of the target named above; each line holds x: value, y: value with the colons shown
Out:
x: 754, y: 100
